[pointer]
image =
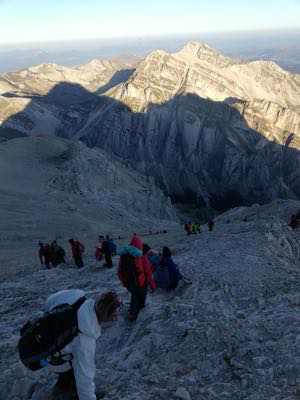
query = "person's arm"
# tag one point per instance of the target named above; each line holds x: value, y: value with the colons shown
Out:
x: 84, y: 366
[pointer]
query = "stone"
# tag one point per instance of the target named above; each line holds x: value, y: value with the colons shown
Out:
x: 182, y: 393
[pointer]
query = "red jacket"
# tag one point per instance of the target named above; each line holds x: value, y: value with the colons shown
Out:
x: 142, y: 265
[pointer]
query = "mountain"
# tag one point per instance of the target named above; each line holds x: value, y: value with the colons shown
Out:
x: 201, y: 70
x: 55, y: 188
x: 39, y: 79
x: 214, y: 130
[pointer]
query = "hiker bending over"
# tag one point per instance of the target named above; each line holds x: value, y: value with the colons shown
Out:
x: 77, y: 379
x: 135, y: 274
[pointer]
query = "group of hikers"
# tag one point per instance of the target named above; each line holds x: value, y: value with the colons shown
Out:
x: 192, y: 228
x: 65, y: 336
x: 52, y: 255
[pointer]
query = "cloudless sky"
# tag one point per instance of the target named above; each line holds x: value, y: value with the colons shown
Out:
x: 43, y: 20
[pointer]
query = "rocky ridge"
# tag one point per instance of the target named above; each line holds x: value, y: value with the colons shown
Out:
x: 204, y: 126
x: 201, y: 70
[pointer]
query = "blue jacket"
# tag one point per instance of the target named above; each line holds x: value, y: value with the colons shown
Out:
x: 174, y: 273
x: 162, y: 277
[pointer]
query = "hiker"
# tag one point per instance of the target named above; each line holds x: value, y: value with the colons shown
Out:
x: 58, y: 254
x: 99, y: 252
x: 135, y: 274
x: 294, y: 221
x: 45, y: 255
x: 151, y: 255
x: 167, y: 276
x: 107, y: 251
x: 189, y: 228
x: 77, y: 249
x: 112, y: 246
x: 198, y: 227
x: 76, y: 377
x: 194, y: 229
x: 210, y: 224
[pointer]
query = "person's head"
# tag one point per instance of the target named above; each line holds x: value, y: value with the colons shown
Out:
x: 41, y: 244
x: 166, y: 252
x: 136, y: 242
x: 106, y: 307
x: 71, y: 241
x: 146, y: 248
x: 107, y: 237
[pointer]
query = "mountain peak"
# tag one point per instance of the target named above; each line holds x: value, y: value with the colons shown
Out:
x: 203, y: 52
x: 194, y: 48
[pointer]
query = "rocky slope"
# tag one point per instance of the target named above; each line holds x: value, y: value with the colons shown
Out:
x: 40, y: 79
x: 53, y: 188
x: 232, y: 334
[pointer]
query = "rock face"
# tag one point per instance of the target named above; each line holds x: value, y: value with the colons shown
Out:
x: 219, y: 131
x: 206, y: 149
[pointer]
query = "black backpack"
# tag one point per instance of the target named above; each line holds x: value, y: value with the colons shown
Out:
x: 128, y: 270
x: 43, y: 339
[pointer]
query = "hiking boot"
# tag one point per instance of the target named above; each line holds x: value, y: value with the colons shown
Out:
x: 65, y: 387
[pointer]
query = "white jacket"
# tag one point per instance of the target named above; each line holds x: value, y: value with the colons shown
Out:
x: 83, y: 346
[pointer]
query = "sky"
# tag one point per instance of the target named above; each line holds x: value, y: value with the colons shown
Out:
x: 51, y: 20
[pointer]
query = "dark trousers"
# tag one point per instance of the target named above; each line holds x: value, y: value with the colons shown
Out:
x: 78, y: 261
x: 108, y: 260
x: 137, y: 301
x: 65, y: 387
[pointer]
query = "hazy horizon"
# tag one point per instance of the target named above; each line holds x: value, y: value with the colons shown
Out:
x: 281, y: 46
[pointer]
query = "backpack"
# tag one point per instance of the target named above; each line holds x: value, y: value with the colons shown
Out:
x: 43, y: 339
x: 111, y: 247
x: 127, y: 270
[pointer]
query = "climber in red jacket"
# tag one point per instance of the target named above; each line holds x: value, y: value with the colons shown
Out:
x: 136, y: 275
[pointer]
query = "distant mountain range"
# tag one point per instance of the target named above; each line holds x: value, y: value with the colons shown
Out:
x: 207, y: 128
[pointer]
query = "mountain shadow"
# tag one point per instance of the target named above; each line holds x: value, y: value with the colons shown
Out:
x: 118, y: 77
x: 197, y: 150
